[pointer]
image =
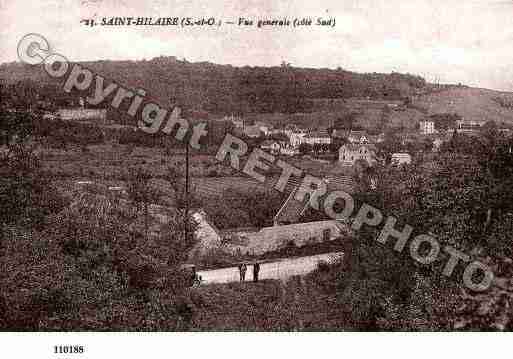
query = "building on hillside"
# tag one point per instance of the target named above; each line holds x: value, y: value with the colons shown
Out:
x: 317, y: 137
x: 264, y: 127
x: 252, y: 131
x: 296, y: 138
x: 271, y: 146
x: 97, y: 115
x: 237, y: 121
x: 271, y: 239
x: 288, y: 150
x: 349, y: 153
x: 437, y: 143
x: 292, y: 128
x: 427, y: 127
x: 463, y: 126
x: 401, y: 159
x: 358, y: 137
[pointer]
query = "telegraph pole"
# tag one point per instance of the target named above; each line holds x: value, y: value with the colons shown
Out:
x: 186, y: 214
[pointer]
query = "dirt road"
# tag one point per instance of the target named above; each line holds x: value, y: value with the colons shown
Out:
x: 279, y: 269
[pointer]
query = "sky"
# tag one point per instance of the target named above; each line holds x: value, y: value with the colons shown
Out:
x: 447, y: 41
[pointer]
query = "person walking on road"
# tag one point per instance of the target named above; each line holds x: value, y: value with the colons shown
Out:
x: 256, y: 269
x: 242, y: 271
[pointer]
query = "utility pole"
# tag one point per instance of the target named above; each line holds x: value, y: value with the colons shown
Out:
x: 186, y: 214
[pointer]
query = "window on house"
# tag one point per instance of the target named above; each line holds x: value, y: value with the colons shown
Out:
x: 326, y: 234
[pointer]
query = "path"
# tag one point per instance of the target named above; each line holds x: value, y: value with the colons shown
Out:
x: 279, y: 269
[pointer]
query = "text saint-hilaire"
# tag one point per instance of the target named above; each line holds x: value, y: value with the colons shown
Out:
x: 141, y: 21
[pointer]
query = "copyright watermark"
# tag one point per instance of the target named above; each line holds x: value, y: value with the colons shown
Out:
x: 34, y: 49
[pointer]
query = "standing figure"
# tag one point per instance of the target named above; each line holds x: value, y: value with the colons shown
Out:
x: 256, y: 269
x: 242, y: 271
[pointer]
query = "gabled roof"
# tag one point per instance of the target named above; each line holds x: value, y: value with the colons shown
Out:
x: 292, y: 209
x: 400, y: 154
x: 358, y: 133
x: 356, y: 147
x: 317, y: 134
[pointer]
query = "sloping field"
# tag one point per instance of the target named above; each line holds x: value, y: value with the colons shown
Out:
x: 473, y: 104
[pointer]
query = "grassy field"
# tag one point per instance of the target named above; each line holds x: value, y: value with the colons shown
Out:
x: 113, y: 161
x: 109, y: 164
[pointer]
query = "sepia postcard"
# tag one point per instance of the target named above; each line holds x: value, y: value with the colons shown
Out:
x: 253, y: 166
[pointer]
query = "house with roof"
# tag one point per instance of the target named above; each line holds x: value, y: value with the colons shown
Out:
x: 289, y: 150
x: 271, y: 146
x: 317, y: 137
x: 252, y: 131
x: 401, y: 159
x: 237, y: 121
x: 469, y: 126
x: 437, y: 143
x: 427, y: 127
x: 83, y: 114
x: 264, y: 127
x: 349, y: 154
x: 296, y: 138
x: 358, y: 137
x: 269, y: 239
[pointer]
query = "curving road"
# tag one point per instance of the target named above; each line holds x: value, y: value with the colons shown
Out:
x: 277, y: 269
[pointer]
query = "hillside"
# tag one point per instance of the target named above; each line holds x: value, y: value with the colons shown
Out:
x: 472, y: 104
x: 223, y: 89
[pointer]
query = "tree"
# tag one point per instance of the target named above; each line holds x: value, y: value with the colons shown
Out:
x: 141, y: 193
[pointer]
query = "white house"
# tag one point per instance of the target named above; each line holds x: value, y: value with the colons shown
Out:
x: 270, y: 146
x: 468, y: 126
x: 349, y: 153
x: 264, y: 127
x: 296, y: 138
x: 427, y: 127
x: 437, y: 142
x: 83, y: 114
x: 358, y: 137
x: 401, y: 159
x: 270, y: 239
x: 317, y: 137
x: 289, y: 151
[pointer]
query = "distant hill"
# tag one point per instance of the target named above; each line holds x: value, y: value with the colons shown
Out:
x: 312, y: 97
x: 223, y: 89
